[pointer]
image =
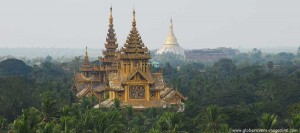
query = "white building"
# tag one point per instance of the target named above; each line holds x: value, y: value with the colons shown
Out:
x: 171, y: 45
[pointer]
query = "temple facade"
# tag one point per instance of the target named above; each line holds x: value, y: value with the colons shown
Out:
x: 125, y: 74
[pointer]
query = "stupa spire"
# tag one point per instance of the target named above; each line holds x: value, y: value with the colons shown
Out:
x: 111, y: 36
x: 86, y: 57
x: 171, y: 22
x: 171, y: 45
x: 133, y: 19
x: 110, y: 17
x: 109, y: 54
x: 171, y: 39
x: 86, y: 66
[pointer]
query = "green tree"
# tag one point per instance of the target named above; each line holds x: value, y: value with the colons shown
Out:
x: 270, y: 65
x: 267, y: 121
x: 294, y: 122
x: 214, y: 120
x: 2, y: 123
x: 28, y: 122
x: 49, y: 108
x: 170, y: 122
x: 50, y: 127
x: 224, y: 65
x: 117, y: 103
x: 256, y: 56
x: 298, y: 52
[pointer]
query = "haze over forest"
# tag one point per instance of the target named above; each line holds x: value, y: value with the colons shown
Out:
x: 197, y: 23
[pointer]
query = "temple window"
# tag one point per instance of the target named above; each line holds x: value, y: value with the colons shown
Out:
x: 153, y: 94
x: 137, y: 92
x: 119, y: 94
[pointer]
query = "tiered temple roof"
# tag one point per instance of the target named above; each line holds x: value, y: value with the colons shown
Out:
x: 109, y: 59
x: 86, y: 66
x: 134, y: 47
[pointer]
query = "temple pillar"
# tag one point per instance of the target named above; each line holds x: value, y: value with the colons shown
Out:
x: 158, y: 95
x: 147, y: 95
x: 126, y: 93
x: 110, y: 95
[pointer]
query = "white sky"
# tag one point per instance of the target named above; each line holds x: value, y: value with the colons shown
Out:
x: 197, y: 23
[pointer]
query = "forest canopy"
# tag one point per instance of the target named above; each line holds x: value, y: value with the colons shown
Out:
x: 250, y: 90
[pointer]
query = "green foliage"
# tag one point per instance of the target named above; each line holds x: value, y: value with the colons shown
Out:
x: 17, y: 93
x: 294, y: 109
x: 48, y: 108
x: 224, y: 65
x: 214, y: 120
x: 267, y: 121
x: 169, y: 58
x: 14, y: 67
x: 50, y: 127
x: 28, y: 122
x: 117, y: 103
x: 229, y: 94
x: 294, y: 122
x: 2, y: 123
x: 170, y: 122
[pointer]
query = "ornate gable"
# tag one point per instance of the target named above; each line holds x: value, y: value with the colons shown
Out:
x: 139, y: 75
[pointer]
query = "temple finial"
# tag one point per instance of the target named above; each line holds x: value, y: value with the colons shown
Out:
x: 133, y: 20
x: 86, y: 52
x: 171, y: 22
x: 110, y: 16
x: 86, y: 58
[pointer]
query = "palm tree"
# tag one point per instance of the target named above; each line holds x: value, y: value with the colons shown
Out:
x: 67, y: 123
x: 28, y: 122
x: 294, y: 122
x: 170, y: 122
x: 2, y: 123
x: 49, y: 127
x: 95, y: 120
x: 267, y: 121
x: 111, y: 122
x: 48, y: 107
x: 214, y: 120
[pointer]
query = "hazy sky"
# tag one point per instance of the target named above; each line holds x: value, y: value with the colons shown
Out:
x: 197, y: 23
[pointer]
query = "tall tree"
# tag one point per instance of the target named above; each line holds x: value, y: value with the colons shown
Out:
x: 214, y: 120
x: 170, y: 122
x: 267, y: 121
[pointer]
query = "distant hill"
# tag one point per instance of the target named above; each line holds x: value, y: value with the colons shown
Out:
x: 14, y: 67
x: 53, y: 52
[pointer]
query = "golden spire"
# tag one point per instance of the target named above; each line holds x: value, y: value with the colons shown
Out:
x: 111, y: 36
x: 171, y: 39
x: 86, y: 66
x: 133, y: 20
x: 134, y: 44
x: 110, y: 16
x: 86, y: 53
x: 86, y: 58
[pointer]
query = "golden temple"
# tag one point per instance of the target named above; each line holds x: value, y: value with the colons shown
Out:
x: 125, y: 74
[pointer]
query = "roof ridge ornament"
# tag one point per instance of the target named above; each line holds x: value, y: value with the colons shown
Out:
x: 133, y: 19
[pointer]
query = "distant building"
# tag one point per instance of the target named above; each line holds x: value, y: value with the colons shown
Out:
x: 171, y: 45
x: 125, y: 75
x: 155, y: 64
x: 208, y: 55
